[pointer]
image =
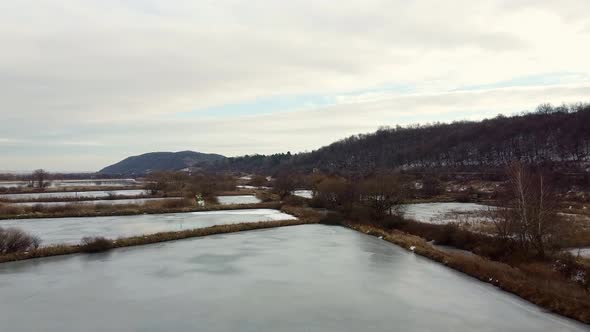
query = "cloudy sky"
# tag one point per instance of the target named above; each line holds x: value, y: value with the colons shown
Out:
x: 86, y: 83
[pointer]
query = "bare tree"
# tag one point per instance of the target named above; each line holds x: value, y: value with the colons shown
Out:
x: 285, y: 182
x: 529, y: 216
x: 39, y: 178
x: 384, y: 194
x: 333, y: 192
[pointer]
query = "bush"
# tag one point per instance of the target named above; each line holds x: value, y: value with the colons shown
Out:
x: 14, y: 240
x: 295, y: 200
x: 95, y: 244
x: 332, y: 218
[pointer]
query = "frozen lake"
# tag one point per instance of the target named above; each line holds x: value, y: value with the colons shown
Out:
x: 238, y: 199
x: 72, y: 230
x: 135, y: 201
x: 300, y: 278
x: 74, y: 194
x: 442, y: 213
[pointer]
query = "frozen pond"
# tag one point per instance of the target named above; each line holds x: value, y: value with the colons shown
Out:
x: 75, y: 194
x: 95, y: 182
x: 75, y: 183
x: 303, y: 193
x: 300, y: 278
x: 442, y: 213
x: 238, y: 199
x: 135, y: 201
x: 71, y: 230
x: 252, y: 187
x: 583, y: 252
x: 13, y: 184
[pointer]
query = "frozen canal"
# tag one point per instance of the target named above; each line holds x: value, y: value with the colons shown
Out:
x: 300, y: 278
x: 71, y: 230
x: 74, y: 194
x: 238, y: 199
x: 442, y: 213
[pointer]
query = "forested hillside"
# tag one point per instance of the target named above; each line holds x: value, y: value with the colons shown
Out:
x: 556, y: 136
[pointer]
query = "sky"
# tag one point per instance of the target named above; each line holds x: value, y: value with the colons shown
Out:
x: 84, y: 84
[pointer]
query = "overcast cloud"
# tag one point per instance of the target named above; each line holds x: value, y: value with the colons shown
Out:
x: 86, y: 83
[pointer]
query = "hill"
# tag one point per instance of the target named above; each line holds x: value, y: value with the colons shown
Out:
x: 161, y: 161
x: 555, y: 136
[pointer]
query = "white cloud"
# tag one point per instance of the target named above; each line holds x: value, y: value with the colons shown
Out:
x: 104, y: 74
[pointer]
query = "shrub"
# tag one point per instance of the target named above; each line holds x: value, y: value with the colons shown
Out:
x: 95, y: 244
x: 295, y: 201
x: 14, y: 240
x: 332, y: 218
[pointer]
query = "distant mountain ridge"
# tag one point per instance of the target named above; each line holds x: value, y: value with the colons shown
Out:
x: 161, y: 161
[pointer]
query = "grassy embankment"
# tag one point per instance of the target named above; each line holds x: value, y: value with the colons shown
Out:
x: 8, y: 211
x: 29, y: 190
x: 81, y: 198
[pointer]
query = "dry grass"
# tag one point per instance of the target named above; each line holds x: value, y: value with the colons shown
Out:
x: 156, y: 207
x: 80, y: 198
x: 29, y: 190
x: 556, y: 295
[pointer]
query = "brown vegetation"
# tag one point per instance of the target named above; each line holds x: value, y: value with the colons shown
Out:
x: 155, y: 207
x: 189, y: 185
x: 528, y: 218
x: 95, y: 244
x: 15, y: 240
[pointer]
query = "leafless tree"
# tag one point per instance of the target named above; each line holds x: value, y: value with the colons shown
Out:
x: 39, y: 178
x: 384, y: 194
x: 284, y: 183
x: 529, y: 216
x: 333, y: 192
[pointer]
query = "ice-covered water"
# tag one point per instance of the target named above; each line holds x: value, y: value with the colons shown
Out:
x: 71, y: 230
x: 303, y: 193
x: 301, y: 278
x: 583, y: 252
x: 442, y: 213
x: 134, y: 201
x: 74, y: 194
x: 238, y: 199
x: 75, y: 183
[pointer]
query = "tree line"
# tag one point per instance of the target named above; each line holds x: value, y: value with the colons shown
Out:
x: 556, y: 137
